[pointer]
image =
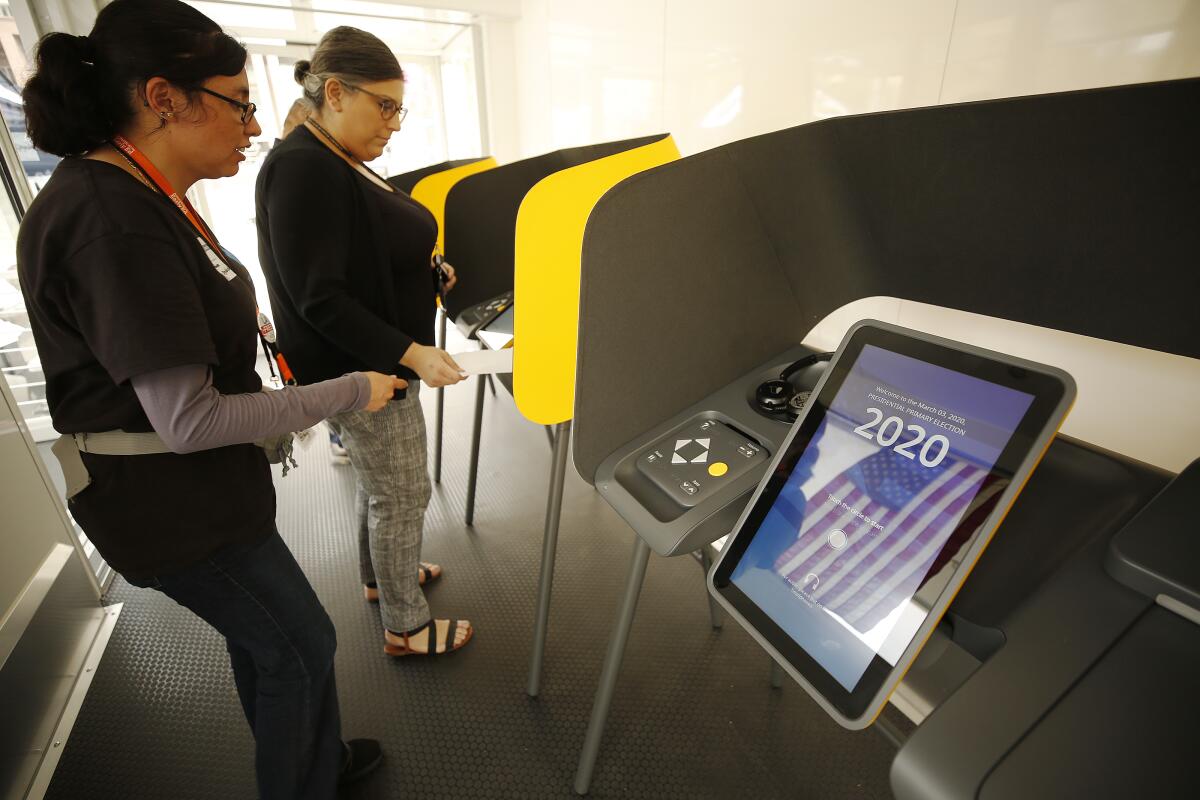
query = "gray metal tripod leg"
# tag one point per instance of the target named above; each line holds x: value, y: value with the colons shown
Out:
x: 491, y: 385
x: 550, y: 435
x: 558, y: 474
x: 612, y: 665
x: 776, y: 675
x: 441, y: 406
x: 476, y: 433
x: 714, y: 610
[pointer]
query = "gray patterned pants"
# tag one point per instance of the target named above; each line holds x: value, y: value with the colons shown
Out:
x: 388, y: 453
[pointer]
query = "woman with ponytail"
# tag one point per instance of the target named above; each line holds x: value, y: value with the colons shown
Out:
x: 148, y: 333
x: 347, y: 258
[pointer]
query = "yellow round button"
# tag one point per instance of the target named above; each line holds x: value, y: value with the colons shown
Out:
x: 718, y: 468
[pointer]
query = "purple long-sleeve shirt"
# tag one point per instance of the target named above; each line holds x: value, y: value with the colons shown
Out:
x: 189, y: 414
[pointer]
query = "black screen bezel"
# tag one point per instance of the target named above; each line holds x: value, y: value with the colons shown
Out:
x: 1047, y: 391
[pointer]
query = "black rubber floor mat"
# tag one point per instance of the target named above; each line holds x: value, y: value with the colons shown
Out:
x: 694, y: 715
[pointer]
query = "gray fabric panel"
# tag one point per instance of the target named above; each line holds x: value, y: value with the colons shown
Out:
x: 666, y: 319
x: 1074, y: 211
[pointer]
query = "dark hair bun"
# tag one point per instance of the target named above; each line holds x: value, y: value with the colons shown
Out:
x: 63, y: 111
x: 302, y: 69
x: 86, y: 50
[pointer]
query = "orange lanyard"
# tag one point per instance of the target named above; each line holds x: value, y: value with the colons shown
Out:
x: 138, y: 160
x: 147, y: 168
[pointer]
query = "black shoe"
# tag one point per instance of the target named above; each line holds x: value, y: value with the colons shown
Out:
x: 363, y: 756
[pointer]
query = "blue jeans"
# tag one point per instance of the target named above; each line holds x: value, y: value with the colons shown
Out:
x: 281, y: 645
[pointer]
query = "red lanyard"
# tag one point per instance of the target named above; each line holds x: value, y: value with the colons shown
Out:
x: 144, y: 165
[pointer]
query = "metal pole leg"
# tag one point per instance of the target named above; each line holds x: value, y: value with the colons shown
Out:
x: 776, y: 675
x: 550, y: 435
x: 714, y: 610
x: 441, y: 405
x: 558, y: 473
x: 475, y: 436
x: 612, y: 664
x: 890, y: 731
x: 491, y: 385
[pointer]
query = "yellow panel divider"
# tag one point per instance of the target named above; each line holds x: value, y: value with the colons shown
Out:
x: 547, y: 263
x: 431, y: 192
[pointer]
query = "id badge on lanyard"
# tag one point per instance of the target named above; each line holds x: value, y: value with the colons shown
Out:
x: 217, y: 255
x: 218, y: 263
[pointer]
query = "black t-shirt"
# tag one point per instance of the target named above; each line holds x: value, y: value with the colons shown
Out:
x: 118, y: 284
x: 346, y: 261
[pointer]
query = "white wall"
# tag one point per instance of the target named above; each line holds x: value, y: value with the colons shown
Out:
x: 1016, y: 47
x: 713, y: 72
x: 776, y: 65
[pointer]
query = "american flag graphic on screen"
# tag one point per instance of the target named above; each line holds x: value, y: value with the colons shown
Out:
x: 898, y: 516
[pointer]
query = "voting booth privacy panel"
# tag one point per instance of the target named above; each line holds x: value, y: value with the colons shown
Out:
x: 431, y: 190
x: 407, y: 181
x: 481, y: 215
x: 547, y: 258
x: 520, y: 228
x: 1073, y: 211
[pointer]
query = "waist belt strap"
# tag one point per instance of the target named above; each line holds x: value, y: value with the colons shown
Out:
x: 121, y: 443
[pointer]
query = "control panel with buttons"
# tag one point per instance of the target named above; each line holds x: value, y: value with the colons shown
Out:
x: 480, y: 314
x: 695, y: 460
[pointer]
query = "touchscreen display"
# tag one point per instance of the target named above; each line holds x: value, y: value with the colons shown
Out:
x: 897, y: 477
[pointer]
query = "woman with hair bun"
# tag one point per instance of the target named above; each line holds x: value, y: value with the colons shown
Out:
x: 347, y: 258
x: 148, y: 333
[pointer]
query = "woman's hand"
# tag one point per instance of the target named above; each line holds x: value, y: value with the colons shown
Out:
x: 434, y: 366
x: 382, y: 388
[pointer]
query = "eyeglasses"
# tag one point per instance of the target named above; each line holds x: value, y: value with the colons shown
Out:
x: 388, y: 107
x: 247, y: 109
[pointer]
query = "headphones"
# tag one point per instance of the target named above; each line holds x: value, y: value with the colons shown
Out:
x: 778, y: 397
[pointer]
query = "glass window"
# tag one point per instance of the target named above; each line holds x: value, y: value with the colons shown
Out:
x: 18, y: 357
x: 19, y: 362
x: 14, y: 69
x: 460, y: 97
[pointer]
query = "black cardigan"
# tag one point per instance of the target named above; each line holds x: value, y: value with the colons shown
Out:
x: 346, y: 262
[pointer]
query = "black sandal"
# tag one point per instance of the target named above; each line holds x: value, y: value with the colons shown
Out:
x: 445, y: 645
x: 424, y: 575
x: 425, y: 572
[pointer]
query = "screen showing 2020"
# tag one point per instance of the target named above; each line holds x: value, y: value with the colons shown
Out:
x: 896, y: 479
